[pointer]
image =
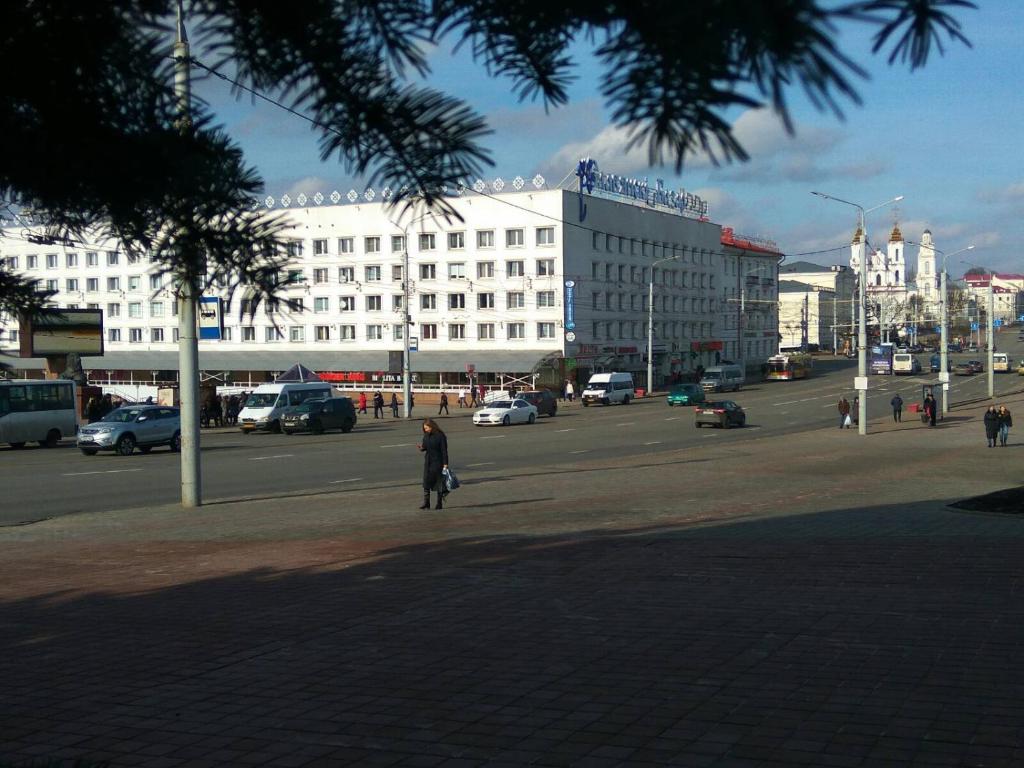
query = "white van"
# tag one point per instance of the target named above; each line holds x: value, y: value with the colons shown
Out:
x: 608, y: 388
x: 1000, y: 362
x: 904, y: 363
x: 266, y: 403
x: 722, y: 378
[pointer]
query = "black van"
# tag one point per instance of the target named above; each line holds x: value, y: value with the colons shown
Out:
x: 317, y: 416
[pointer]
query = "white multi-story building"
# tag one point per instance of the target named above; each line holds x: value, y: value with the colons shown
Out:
x: 524, y: 284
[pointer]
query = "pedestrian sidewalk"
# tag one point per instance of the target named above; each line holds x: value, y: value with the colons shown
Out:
x: 805, y: 599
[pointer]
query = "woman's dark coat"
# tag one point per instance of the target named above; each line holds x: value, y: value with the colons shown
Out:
x: 435, y: 458
x: 991, y: 425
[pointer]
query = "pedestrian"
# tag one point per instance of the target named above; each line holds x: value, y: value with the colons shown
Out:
x: 472, y: 397
x: 444, y: 405
x: 106, y: 405
x: 1005, y: 422
x: 434, y: 447
x: 855, y: 410
x: 483, y: 393
x: 362, y: 402
x: 570, y: 391
x: 929, y: 409
x: 394, y: 405
x: 378, y: 406
x: 991, y: 426
x: 233, y: 411
x: 93, y: 410
x: 412, y: 402
x: 897, y: 408
x: 462, y: 397
x: 844, y: 412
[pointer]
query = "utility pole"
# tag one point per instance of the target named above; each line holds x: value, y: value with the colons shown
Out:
x: 188, y: 294
x: 991, y: 333
x: 835, y: 329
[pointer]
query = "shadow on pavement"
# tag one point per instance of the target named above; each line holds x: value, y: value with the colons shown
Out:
x: 864, y: 636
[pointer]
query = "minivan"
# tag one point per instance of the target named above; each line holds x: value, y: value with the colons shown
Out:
x: 904, y: 362
x: 722, y: 378
x: 266, y: 404
x: 608, y: 388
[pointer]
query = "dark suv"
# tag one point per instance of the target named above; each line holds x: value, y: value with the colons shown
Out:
x: 545, y: 402
x: 316, y: 416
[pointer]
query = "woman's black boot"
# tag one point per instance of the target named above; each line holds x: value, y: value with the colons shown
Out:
x: 426, y: 500
x: 440, y: 500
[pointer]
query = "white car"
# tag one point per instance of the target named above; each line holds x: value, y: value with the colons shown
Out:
x: 506, y: 412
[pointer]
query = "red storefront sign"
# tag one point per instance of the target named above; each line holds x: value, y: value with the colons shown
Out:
x: 705, y: 346
x: 343, y: 376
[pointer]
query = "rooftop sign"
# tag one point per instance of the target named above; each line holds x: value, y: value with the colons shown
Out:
x: 679, y: 201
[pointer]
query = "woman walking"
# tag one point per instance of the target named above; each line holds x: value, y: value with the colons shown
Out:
x: 991, y: 426
x: 1005, y: 422
x: 435, y: 460
x: 394, y: 405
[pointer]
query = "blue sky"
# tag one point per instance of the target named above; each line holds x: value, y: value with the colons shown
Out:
x: 947, y: 137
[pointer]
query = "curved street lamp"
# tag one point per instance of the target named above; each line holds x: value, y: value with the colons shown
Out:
x: 650, y: 324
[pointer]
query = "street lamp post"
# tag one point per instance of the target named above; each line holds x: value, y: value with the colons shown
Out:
x: 861, y: 382
x: 991, y: 335
x: 944, y: 330
x: 650, y: 325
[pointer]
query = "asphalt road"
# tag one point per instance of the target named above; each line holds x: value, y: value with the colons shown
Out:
x: 39, y: 483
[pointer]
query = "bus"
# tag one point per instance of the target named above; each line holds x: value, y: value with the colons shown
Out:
x: 40, y: 411
x: 788, y: 367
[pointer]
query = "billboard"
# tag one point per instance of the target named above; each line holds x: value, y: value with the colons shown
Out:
x: 51, y: 332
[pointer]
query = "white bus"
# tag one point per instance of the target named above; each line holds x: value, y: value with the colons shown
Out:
x: 40, y: 411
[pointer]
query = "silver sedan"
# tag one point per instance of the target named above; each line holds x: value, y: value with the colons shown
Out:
x: 506, y: 412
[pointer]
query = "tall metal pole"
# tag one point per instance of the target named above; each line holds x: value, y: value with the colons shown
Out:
x: 188, y: 290
x: 944, y: 341
x: 406, y: 317
x: 862, y: 333
x: 835, y: 329
x: 991, y: 334
x: 650, y: 334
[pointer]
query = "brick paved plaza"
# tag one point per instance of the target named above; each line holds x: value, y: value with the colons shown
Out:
x: 807, y: 600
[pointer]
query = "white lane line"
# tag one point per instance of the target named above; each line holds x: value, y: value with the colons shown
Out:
x: 566, y: 430
x: 398, y: 445
x: 626, y: 424
x: 829, y: 405
x: 654, y: 442
x: 712, y: 434
x: 788, y: 402
x: 101, y: 472
x: 583, y: 451
x: 278, y: 456
x: 673, y: 418
x: 350, y: 480
x: 493, y: 437
x: 481, y: 464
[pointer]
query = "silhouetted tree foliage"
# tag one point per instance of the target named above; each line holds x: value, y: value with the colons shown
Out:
x: 93, y: 143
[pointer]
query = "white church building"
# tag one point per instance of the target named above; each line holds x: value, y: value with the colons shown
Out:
x: 888, y: 291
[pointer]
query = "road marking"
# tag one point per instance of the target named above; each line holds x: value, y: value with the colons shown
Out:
x: 350, y: 480
x: 481, y: 464
x: 583, y: 451
x: 566, y: 430
x: 626, y: 424
x: 278, y: 456
x: 493, y: 437
x: 101, y: 472
x: 654, y: 442
x: 673, y: 418
x: 788, y: 402
x: 398, y: 445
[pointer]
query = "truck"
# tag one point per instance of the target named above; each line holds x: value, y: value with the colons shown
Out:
x: 880, y: 361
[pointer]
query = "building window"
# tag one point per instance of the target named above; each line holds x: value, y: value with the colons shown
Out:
x: 322, y: 332
x: 373, y: 274
x: 545, y: 267
x: 92, y: 259
x: 320, y: 276
x: 134, y: 283
x: 456, y: 331
x: 113, y: 334
x: 397, y: 243
x: 52, y: 285
x: 515, y: 300
x: 515, y: 268
x: 397, y: 302
x: 346, y: 303
x: 428, y: 330
x: 113, y: 310
x: 156, y: 335
x: 396, y: 273
x: 516, y: 331
x: 347, y: 332
x: 226, y: 334
x: 374, y: 332
x: 32, y: 261
x: 112, y: 258
x: 12, y: 336
x: 135, y: 309
x: 154, y: 282
x: 51, y: 261
x: 297, y: 333
x: 397, y: 332
x: 545, y: 299
x: 71, y: 260
x: 12, y: 263
x: 428, y: 301
x: 346, y: 274
x: 485, y: 331
x: 428, y: 271
x: 514, y: 238
x: 294, y: 277
x: 346, y: 245
x: 545, y: 235
x: 134, y: 335
x: 92, y: 284
x: 71, y: 285
x: 320, y: 247
x: 156, y: 309
x: 545, y: 330
x: 456, y: 301
x: 427, y: 241
x: 456, y: 271
x: 113, y: 283
x: 485, y: 301
x: 373, y: 304
x: 293, y: 248
x: 485, y: 238
x: 371, y: 245
x: 321, y: 304
x: 456, y: 241
x: 272, y: 334
x: 248, y: 333
x: 294, y: 305
x: 485, y: 270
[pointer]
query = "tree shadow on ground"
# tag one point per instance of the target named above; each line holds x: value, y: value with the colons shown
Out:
x: 799, y: 639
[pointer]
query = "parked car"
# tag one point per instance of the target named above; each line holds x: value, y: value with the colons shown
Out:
x: 963, y: 369
x: 127, y: 428
x: 541, y: 399
x: 976, y: 366
x: 506, y: 412
x: 720, y: 413
x: 686, y: 394
x: 317, y: 416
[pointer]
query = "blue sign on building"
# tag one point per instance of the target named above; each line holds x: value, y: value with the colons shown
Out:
x: 570, y: 305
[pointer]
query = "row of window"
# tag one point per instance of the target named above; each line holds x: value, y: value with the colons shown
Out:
x: 427, y: 241
x: 669, y: 278
x: 622, y: 302
x: 372, y: 273
x: 71, y: 260
x: 637, y: 329
x: 649, y: 249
